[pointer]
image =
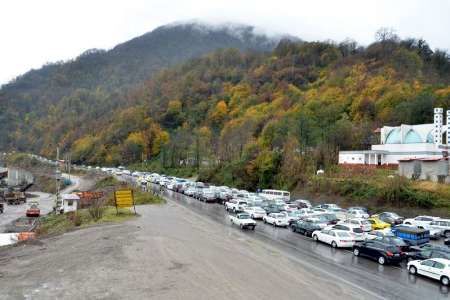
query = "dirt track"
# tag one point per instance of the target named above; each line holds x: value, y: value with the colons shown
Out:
x: 169, y: 252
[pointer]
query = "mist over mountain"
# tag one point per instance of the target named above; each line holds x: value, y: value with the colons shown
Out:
x: 112, y: 73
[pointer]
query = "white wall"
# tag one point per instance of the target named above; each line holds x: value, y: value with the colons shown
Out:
x: 68, y: 208
x: 351, y: 158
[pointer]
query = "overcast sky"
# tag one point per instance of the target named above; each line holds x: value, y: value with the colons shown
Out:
x: 35, y: 32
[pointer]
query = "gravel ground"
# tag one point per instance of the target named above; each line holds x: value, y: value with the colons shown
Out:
x: 170, y: 252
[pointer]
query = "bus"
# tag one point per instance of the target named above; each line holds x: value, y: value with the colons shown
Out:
x: 276, y: 194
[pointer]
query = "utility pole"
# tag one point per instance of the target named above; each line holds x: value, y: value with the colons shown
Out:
x: 58, y: 179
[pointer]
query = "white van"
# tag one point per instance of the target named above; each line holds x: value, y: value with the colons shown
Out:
x: 276, y: 194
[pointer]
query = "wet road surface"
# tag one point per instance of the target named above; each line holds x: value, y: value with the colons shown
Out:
x: 389, y: 281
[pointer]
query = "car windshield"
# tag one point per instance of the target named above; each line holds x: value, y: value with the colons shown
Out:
x: 244, y: 216
x: 357, y: 230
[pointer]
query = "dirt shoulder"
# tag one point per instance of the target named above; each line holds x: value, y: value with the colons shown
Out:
x: 168, y: 253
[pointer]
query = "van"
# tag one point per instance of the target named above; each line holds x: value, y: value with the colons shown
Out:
x: 276, y: 194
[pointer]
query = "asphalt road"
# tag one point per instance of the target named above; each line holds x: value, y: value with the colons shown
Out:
x: 392, y: 282
x: 45, y: 200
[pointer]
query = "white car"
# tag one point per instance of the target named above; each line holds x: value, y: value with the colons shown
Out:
x: 443, y: 225
x: 290, y: 207
x: 365, y: 225
x: 357, y: 214
x: 335, y: 238
x: 276, y: 219
x: 355, y: 231
x: 243, y: 220
x: 436, y: 268
x: 255, y: 212
x: 420, y: 221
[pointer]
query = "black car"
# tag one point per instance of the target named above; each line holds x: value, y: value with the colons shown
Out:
x: 331, y: 219
x: 428, y: 253
x: 381, y: 252
x: 305, y: 227
x: 397, y: 242
x: 391, y: 218
x: 272, y: 209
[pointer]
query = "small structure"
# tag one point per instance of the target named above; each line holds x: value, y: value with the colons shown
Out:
x: 70, y: 202
x: 433, y: 169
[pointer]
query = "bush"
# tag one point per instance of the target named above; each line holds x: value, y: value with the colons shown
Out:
x: 97, y: 209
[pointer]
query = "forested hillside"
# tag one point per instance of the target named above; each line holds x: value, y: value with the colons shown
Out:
x: 74, y: 95
x: 255, y: 119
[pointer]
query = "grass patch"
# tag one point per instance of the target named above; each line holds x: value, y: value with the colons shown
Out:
x: 146, y: 198
x: 109, y: 181
x: 57, y: 224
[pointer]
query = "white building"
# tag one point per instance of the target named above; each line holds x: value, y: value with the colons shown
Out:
x: 70, y: 202
x: 404, y: 142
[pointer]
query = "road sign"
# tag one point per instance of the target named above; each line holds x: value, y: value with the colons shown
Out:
x: 124, y: 198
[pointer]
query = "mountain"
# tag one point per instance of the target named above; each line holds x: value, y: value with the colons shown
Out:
x: 103, y: 78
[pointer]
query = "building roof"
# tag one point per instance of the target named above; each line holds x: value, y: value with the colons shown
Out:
x: 70, y: 197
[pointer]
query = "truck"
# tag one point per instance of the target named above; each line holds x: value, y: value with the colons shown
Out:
x: 243, y: 220
x: 14, y: 197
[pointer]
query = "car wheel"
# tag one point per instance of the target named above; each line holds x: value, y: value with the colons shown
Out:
x: 242, y: 226
x: 253, y: 227
x: 333, y: 244
x: 293, y: 229
x: 356, y: 252
x: 447, y: 234
x: 315, y: 237
x: 444, y: 280
x: 381, y: 260
x: 412, y: 270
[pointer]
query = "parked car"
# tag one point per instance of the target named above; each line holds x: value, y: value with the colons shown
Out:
x: 331, y: 219
x: 435, y: 268
x: 355, y: 231
x: 208, y: 195
x: 391, y: 218
x: 301, y: 203
x: 255, y: 212
x: 190, y: 191
x: 243, y: 220
x: 443, y: 225
x: 381, y: 252
x: 272, y: 208
x: 361, y: 223
x: 364, y: 209
x: 394, y: 241
x: 378, y: 233
x: 420, y: 221
x: 305, y: 227
x: 290, y: 207
x: 427, y: 253
x: 276, y: 219
x: 377, y: 223
x: 357, y: 214
x: 335, y: 238
x: 327, y: 206
x: 235, y: 205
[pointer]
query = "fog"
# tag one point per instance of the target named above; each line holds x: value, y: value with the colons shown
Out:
x: 36, y: 32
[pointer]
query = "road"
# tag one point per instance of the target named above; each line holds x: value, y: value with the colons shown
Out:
x: 392, y: 282
x: 46, y: 202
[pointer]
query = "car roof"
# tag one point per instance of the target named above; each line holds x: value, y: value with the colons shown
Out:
x: 441, y: 260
